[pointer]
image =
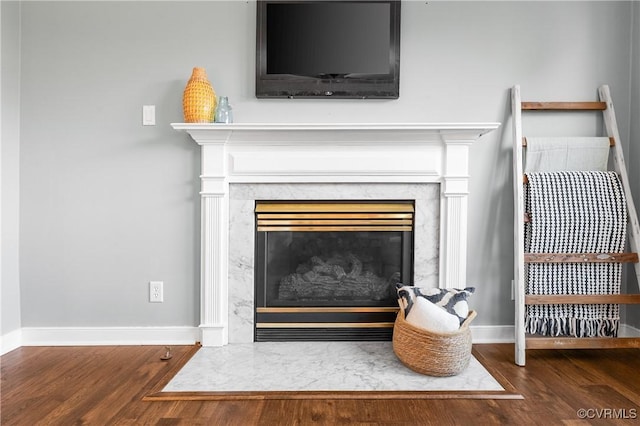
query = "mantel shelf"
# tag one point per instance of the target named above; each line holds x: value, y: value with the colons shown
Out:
x: 204, y: 133
x: 436, y: 127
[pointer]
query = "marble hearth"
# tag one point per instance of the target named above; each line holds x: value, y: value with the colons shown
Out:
x: 241, y: 163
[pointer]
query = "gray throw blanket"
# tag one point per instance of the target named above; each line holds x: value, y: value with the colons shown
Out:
x: 574, y: 212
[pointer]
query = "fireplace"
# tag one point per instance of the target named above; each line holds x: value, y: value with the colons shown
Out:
x: 245, y: 162
x: 328, y: 270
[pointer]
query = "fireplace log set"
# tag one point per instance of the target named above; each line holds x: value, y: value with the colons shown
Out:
x: 328, y: 280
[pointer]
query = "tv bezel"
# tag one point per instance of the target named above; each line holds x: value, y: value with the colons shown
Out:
x: 361, y: 86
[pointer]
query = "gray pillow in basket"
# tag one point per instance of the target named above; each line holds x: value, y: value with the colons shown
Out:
x: 454, y: 300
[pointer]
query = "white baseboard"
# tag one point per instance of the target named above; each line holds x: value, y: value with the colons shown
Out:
x: 101, y: 336
x: 628, y: 331
x: 10, y: 341
x: 493, y: 333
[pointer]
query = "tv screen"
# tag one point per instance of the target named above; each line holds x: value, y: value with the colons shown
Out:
x: 331, y: 49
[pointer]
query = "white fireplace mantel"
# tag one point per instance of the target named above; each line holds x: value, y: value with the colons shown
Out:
x: 327, y: 153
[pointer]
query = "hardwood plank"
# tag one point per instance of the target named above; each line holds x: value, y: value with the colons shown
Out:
x: 612, y: 364
x: 571, y: 381
x: 566, y: 106
x: 535, y: 342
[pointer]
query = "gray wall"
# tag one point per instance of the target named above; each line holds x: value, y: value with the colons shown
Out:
x: 10, y: 137
x: 107, y: 205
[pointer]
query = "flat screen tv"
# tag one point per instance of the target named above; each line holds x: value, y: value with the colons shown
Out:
x: 328, y: 49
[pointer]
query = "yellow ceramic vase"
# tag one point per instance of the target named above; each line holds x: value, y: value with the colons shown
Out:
x: 199, y: 99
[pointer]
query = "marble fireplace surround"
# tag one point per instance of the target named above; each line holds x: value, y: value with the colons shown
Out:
x: 425, y: 162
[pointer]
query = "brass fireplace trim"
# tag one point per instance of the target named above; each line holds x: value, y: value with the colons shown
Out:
x: 302, y: 207
x: 332, y: 228
x: 309, y: 217
x: 293, y: 222
x: 324, y: 325
x: 336, y: 215
x: 318, y: 309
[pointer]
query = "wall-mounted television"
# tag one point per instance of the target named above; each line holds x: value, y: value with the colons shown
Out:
x: 328, y: 49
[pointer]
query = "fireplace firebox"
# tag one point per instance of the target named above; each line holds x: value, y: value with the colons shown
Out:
x: 328, y: 270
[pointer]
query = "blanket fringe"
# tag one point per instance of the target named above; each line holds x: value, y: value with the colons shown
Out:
x: 572, y: 327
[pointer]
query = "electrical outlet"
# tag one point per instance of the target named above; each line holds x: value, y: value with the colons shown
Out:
x: 156, y: 293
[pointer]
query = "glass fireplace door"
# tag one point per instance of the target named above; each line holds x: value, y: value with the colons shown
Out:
x: 328, y: 271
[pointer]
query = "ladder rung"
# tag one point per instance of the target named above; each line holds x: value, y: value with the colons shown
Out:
x: 612, y: 141
x: 581, y: 257
x: 564, y: 106
x: 581, y: 299
x: 534, y: 342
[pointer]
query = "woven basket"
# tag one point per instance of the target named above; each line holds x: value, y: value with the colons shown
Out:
x: 433, y: 354
x: 199, y: 98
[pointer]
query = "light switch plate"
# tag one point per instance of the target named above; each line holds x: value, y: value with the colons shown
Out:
x: 148, y: 115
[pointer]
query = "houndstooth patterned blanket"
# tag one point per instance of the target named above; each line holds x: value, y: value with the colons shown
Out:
x: 574, y: 212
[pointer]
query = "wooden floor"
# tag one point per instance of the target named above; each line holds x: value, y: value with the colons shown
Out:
x: 105, y: 386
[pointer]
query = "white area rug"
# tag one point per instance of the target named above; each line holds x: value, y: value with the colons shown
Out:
x: 316, y: 367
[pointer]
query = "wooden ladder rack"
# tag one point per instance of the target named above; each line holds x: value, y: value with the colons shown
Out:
x: 523, y: 341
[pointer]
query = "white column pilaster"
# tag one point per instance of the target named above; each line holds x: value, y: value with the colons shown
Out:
x: 454, y: 211
x: 214, y: 323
